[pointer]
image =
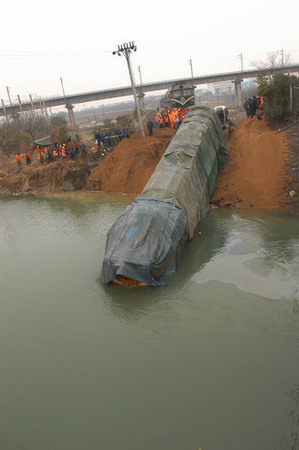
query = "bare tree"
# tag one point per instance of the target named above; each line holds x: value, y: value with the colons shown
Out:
x: 5, y: 132
x: 16, y: 135
x: 33, y: 123
x: 274, y: 61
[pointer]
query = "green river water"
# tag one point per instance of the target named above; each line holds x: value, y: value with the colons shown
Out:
x: 210, y: 361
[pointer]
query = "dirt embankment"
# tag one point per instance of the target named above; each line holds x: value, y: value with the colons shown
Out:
x: 130, y: 165
x: 57, y: 176
x: 263, y: 170
x: 125, y: 170
x: 255, y: 175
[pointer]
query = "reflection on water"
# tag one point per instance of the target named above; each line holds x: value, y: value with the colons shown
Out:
x: 258, y: 256
x: 127, y: 303
x: 208, y: 361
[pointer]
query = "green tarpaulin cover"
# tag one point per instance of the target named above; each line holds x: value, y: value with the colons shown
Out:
x: 44, y: 142
x: 186, y: 174
x: 147, y: 240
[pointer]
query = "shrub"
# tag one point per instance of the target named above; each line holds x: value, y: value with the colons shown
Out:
x: 277, y: 96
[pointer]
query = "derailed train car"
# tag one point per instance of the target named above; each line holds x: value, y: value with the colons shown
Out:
x: 147, y: 241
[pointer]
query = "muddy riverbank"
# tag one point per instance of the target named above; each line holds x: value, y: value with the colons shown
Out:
x: 263, y: 170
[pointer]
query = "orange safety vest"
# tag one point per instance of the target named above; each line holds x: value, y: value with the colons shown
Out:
x: 171, y: 117
x: 18, y: 158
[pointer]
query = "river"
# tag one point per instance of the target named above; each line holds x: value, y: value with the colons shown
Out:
x: 209, y: 361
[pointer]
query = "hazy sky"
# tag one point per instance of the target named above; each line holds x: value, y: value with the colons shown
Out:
x: 42, y: 40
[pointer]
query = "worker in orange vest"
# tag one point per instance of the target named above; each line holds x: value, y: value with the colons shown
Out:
x: 27, y: 157
x: 63, y: 152
x: 160, y: 120
x: 171, y: 118
x: 18, y: 159
x: 260, y: 107
x: 166, y: 119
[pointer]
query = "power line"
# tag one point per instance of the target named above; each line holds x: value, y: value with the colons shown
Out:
x: 23, y: 55
x: 66, y: 52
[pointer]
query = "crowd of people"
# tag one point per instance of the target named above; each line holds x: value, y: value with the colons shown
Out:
x: 109, y: 138
x: 171, y: 117
x: 46, y: 154
x: 105, y: 140
x: 72, y: 150
x: 254, y: 107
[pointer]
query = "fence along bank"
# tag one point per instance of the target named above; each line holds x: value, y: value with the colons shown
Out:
x: 146, y: 242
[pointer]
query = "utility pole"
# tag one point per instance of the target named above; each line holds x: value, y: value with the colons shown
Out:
x: 31, y: 101
x: 140, y: 78
x: 46, y: 112
x: 241, y: 58
x: 61, y: 81
x: 190, y: 62
x: 20, y: 103
x: 14, y: 114
x: 282, y: 59
x: 140, y: 96
x: 8, y: 94
x: 4, y: 109
x: 126, y: 50
x: 41, y: 107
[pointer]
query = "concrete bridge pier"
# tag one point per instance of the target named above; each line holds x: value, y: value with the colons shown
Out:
x: 140, y: 97
x: 71, y: 114
x: 238, y: 93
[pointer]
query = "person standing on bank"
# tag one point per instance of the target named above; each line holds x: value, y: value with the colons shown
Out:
x: 18, y: 159
x: 150, y: 127
x: 27, y: 157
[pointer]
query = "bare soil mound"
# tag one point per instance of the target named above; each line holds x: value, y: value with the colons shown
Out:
x: 57, y: 176
x: 254, y: 176
x: 262, y: 171
x: 130, y: 165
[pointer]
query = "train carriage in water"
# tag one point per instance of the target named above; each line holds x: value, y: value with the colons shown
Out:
x: 179, y: 95
x: 147, y: 241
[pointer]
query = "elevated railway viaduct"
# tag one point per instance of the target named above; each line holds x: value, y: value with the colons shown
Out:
x: 69, y: 100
